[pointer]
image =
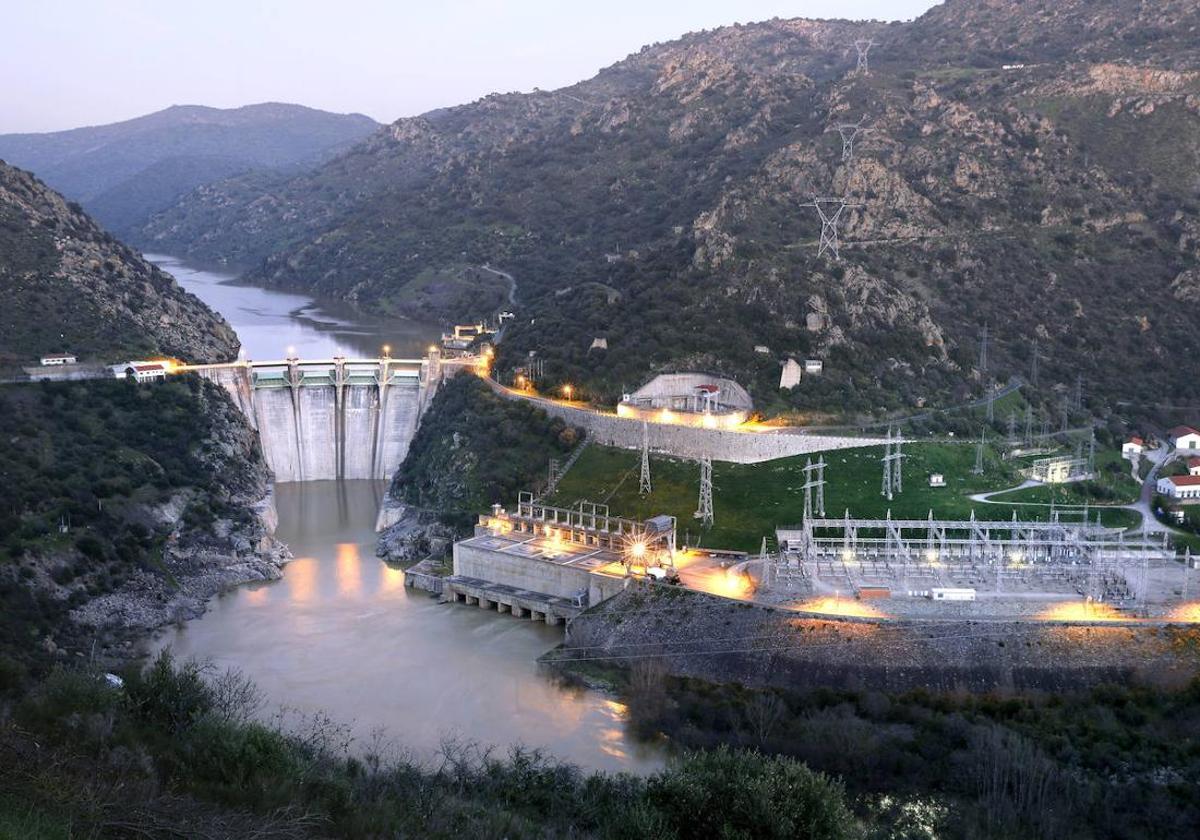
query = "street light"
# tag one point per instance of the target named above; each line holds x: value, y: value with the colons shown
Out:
x: 567, y: 391
x: 387, y: 351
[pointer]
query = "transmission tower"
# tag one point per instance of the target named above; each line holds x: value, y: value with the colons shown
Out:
x: 1033, y: 370
x: 979, y: 452
x: 1012, y: 427
x: 1045, y: 427
x: 1078, y: 391
x: 705, y: 512
x: 850, y: 133
x: 814, y: 503
x: 893, y: 473
x: 1029, y: 425
x: 555, y: 473
x: 983, y: 348
x: 644, y: 487
x: 991, y: 401
x: 830, y: 210
x: 1091, y: 462
x: 863, y: 47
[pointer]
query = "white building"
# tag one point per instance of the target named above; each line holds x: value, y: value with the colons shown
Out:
x: 141, y: 371
x: 1193, y: 465
x: 1179, y: 487
x: 791, y: 374
x: 58, y: 359
x: 1133, y: 447
x: 937, y: 480
x: 813, y: 367
x: 1185, y: 437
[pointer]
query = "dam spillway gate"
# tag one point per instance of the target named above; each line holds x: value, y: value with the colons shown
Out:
x: 336, y: 418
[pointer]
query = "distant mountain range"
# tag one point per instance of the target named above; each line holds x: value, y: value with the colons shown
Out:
x: 68, y: 286
x: 1031, y: 165
x: 123, y: 172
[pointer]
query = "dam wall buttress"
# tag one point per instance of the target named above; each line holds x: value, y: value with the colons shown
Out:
x: 329, y: 420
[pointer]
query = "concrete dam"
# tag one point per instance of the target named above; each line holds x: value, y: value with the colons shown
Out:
x: 332, y: 418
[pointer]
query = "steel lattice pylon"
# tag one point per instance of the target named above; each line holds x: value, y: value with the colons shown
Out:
x: 705, y: 511
x: 830, y: 210
x: 644, y: 487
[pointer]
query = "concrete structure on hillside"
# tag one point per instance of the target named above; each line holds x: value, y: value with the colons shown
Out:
x: 740, y: 446
x: 58, y: 359
x: 791, y: 374
x: 689, y: 399
x: 1185, y: 437
x: 335, y: 418
x: 141, y: 371
x: 1180, y: 488
x: 551, y: 563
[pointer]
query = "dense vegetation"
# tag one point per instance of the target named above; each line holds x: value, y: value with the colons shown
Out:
x: 660, y: 205
x: 84, y: 468
x: 67, y: 286
x: 125, y: 171
x: 1113, y: 762
x: 174, y: 754
x: 475, y: 449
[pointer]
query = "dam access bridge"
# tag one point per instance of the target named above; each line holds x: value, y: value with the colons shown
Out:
x: 325, y: 419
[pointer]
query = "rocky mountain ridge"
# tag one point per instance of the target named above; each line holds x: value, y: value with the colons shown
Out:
x: 1030, y: 165
x: 122, y: 172
x: 70, y: 287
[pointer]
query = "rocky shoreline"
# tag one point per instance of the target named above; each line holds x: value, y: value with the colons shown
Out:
x: 198, y: 567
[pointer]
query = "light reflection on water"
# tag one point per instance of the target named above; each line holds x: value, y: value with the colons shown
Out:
x: 340, y: 633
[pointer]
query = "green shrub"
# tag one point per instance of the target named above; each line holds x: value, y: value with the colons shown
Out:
x: 726, y: 793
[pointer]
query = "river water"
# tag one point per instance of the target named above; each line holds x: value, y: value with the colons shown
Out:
x: 341, y: 634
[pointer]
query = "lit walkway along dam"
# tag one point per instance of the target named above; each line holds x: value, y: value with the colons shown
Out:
x: 334, y: 418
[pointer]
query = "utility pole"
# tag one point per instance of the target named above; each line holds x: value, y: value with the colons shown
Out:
x: 705, y: 511
x: 644, y: 487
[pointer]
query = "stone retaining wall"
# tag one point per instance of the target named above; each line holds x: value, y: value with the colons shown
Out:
x: 720, y: 640
x: 688, y: 442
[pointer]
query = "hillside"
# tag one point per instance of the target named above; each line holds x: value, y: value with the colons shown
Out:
x: 67, y: 286
x: 140, y: 503
x: 123, y: 172
x: 661, y: 205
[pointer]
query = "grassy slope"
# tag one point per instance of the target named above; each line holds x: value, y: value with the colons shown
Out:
x: 751, y: 500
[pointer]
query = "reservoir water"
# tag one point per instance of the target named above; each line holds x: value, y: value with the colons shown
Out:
x: 341, y: 634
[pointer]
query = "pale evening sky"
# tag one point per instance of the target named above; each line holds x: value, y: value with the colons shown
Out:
x: 86, y: 62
